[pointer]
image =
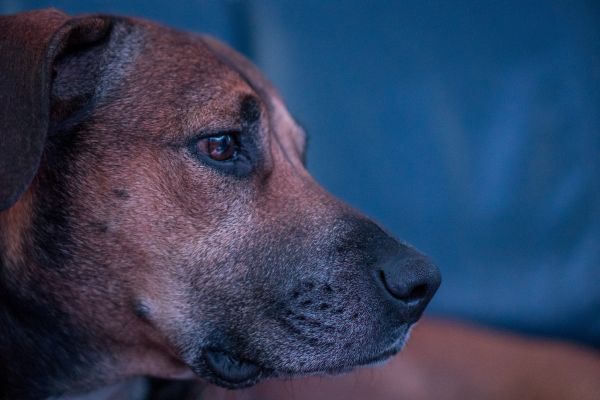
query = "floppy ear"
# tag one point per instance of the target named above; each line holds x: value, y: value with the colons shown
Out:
x: 44, y: 80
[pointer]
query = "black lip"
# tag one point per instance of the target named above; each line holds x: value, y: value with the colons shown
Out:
x: 230, y: 369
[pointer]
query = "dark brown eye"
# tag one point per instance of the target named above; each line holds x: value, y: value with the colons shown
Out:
x: 219, y: 148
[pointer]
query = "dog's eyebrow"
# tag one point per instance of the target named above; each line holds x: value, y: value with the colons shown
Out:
x: 250, y: 109
x: 254, y: 79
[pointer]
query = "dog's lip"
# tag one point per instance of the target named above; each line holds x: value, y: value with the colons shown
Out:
x: 365, y: 361
x: 231, y: 370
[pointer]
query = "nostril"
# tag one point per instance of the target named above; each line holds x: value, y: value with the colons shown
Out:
x: 384, y: 281
x: 409, y: 294
x: 416, y: 294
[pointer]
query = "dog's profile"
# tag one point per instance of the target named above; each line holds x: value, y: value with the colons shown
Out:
x: 157, y: 219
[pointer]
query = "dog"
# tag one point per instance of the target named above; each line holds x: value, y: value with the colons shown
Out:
x: 158, y: 220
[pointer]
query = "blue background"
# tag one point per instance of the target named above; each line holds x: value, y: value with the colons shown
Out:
x: 469, y: 129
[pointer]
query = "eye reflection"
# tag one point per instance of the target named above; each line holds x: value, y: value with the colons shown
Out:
x: 219, y: 148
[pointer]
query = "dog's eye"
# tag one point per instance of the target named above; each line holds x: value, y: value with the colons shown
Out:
x: 219, y: 148
x: 230, y: 151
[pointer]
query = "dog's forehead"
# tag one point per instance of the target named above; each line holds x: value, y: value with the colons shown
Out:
x: 291, y: 136
x: 181, y: 81
x: 205, y: 86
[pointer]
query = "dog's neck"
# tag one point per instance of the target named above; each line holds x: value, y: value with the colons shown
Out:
x: 133, y: 389
x: 44, y: 351
x: 39, y: 354
x: 142, y: 388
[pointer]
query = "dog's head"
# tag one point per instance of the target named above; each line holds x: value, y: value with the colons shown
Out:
x: 158, y: 217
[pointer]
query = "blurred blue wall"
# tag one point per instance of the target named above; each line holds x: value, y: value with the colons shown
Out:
x: 470, y: 129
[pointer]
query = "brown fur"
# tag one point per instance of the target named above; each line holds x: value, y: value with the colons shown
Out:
x: 128, y: 255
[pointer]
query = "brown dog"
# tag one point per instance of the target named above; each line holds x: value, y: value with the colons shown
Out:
x: 158, y: 219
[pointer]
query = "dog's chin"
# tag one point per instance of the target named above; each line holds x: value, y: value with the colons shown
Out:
x: 346, y: 366
x: 229, y: 370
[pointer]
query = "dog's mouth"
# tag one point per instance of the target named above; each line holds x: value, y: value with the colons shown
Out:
x: 233, y: 371
x: 230, y: 370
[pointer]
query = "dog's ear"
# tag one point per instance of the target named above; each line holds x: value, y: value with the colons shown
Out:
x: 46, y: 76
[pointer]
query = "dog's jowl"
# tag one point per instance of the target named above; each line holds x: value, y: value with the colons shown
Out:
x: 157, y: 219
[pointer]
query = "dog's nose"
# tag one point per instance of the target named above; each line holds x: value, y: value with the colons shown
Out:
x: 409, y: 279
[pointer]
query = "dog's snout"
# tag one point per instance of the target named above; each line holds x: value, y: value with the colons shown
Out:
x: 404, y: 277
x: 410, y: 280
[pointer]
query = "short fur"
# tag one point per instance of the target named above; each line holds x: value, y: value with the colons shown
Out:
x: 123, y: 253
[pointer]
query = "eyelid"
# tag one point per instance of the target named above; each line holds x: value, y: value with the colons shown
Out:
x: 188, y: 140
x: 240, y: 165
x: 235, y: 136
x: 217, y: 133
